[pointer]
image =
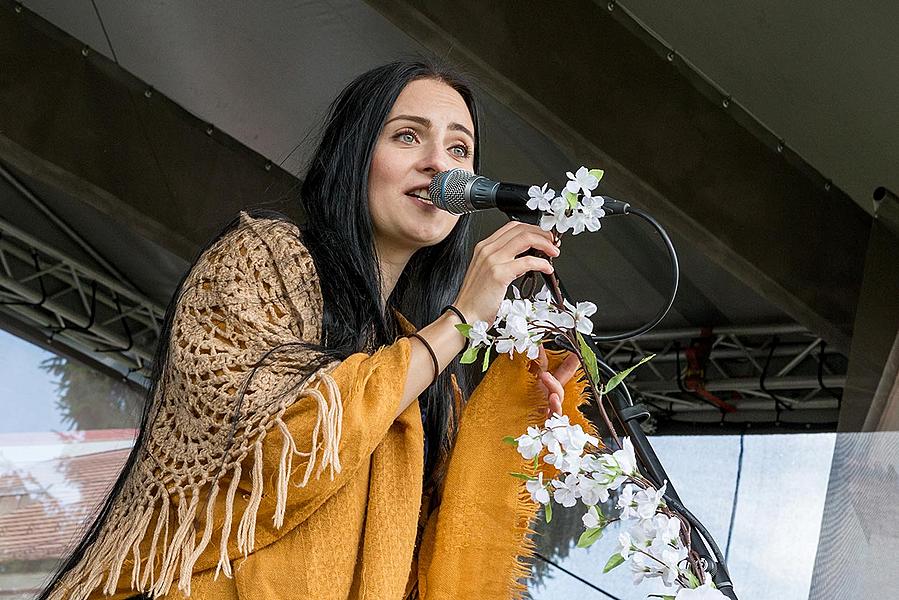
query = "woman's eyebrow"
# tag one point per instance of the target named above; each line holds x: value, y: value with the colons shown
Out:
x: 426, y: 123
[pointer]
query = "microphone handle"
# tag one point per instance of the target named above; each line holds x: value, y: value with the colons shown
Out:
x: 511, y: 198
x: 483, y: 193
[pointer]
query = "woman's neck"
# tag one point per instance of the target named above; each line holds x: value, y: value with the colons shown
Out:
x: 392, y: 262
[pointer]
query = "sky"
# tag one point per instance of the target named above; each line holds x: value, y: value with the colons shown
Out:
x: 27, y: 393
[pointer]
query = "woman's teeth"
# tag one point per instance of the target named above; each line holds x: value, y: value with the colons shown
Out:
x: 422, y: 195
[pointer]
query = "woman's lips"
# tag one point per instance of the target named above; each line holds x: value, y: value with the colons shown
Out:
x: 419, y: 199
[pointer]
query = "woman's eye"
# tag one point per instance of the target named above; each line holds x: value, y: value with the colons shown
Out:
x: 406, y: 136
x: 461, y: 151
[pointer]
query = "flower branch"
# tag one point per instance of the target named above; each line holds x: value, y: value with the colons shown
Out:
x: 655, y: 540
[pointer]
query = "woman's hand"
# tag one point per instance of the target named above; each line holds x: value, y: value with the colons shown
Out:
x: 496, y: 263
x: 553, y: 384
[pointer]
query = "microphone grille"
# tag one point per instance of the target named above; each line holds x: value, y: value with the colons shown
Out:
x: 447, y: 191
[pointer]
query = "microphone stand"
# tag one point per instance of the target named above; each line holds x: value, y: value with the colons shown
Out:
x: 629, y: 416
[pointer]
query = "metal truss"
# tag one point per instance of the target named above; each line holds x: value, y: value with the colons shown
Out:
x: 91, y: 312
x: 765, y: 372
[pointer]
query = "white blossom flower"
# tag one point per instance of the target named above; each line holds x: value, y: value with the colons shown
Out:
x: 560, y: 319
x: 538, y: 490
x: 581, y: 181
x: 591, y: 207
x: 578, y: 438
x: 544, y: 295
x: 626, y: 502
x: 556, y: 216
x: 555, y: 432
x: 625, y: 458
x: 626, y: 545
x: 614, y: 469
x: 529, y: 444
x: 514, y: 334
x: 540, y: 198
x: 566, y: 492
x: 591, y: 518
x: 478, y: 334
x: 504, y: 307
x: 591, y: 462
x: 703, y: 592
x: 577, y: 221
x: 581, y: 314
x: 666, y: 530
x: 592, y: 492
x: 649, y: 500
x: 557, y: 422
x: 609, y: 473
x: 639, y: 568
x: 567, y: 462
x: 671, y: 557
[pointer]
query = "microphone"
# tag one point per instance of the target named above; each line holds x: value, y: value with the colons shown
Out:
x: 460, y: 192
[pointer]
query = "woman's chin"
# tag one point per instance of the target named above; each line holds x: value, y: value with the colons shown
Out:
x: 429, y: 232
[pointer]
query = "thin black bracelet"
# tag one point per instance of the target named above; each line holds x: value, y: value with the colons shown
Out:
x: 431, y: 352
x: 455, y: 310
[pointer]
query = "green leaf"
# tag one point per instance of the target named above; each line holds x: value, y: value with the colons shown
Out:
x: 598, y: 173
x: 589, y: 357
x: 470, y: 355
x: 571, y: 198
x: 486, y: 362
x: 511, y: 441
x: 549, y: 511
x: 463, y: 328
x: 522, y: 476
x: 589, y: 537
x: 618, y: 378
x: 616, y: 560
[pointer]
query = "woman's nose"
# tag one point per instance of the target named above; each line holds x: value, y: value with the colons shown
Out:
x: 435, y: 159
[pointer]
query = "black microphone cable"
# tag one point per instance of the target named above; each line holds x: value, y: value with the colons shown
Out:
x: 617, y: 207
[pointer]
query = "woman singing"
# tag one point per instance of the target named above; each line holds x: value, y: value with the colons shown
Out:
x: 302, y: 439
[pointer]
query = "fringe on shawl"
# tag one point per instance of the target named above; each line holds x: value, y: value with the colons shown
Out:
x: 526, y: 509
x: 106, y: 557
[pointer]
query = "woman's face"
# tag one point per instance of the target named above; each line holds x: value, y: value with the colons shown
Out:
x: 428, y: 130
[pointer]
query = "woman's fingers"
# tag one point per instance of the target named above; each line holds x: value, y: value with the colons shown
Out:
x: 566, y: 370
x: 554, y: 383
x: 542, y: 359
x: 515, y: 240
x: 556, y: 392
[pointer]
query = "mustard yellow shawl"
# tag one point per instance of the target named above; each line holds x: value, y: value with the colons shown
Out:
x: 308, y: 487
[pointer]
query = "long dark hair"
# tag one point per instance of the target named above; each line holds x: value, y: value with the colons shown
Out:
x: 339, y: 235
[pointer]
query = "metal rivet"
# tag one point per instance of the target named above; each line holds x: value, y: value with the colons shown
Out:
x: 826, y: 186
x: 18, y: 8
x: 209, y: 130
x: 780, y: 146
x: 268, y: 166
x: 671, y: 57
x: 148, y: 92
x: 611, y: 6
x: 85, y: 51
x: 725, y: 102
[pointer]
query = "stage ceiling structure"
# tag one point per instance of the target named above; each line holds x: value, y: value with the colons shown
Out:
x: 131, y: 132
